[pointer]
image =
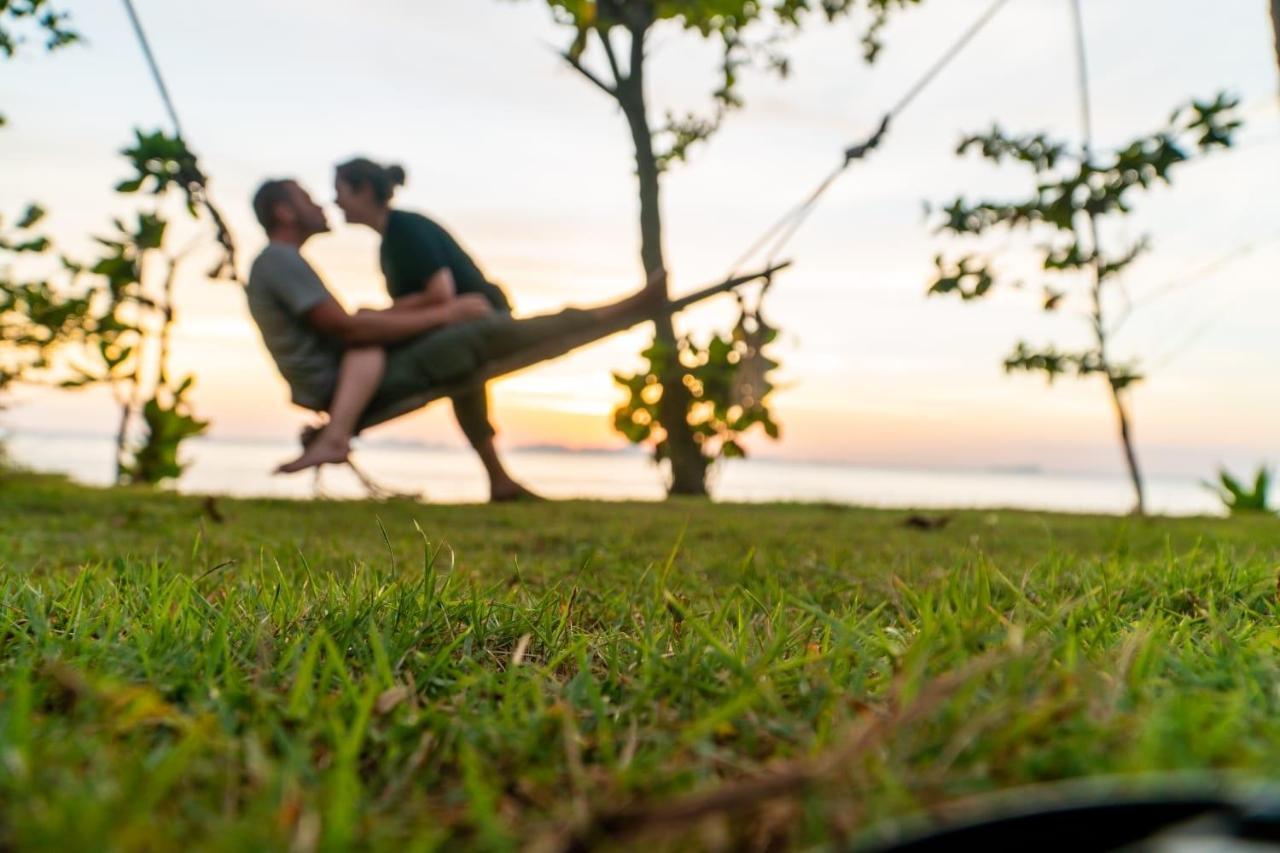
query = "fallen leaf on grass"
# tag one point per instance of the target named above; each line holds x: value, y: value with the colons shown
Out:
x: 390, y: 698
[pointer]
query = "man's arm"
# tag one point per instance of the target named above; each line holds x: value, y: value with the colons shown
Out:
x: 372, y: 328
x: 439, y: 289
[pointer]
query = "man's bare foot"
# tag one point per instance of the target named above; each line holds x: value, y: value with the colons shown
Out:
x: 324, y: 449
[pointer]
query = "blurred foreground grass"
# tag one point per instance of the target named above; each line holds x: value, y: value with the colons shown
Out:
x: 176, y: 672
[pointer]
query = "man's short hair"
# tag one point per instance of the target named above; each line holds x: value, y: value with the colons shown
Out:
x: 273, y: 192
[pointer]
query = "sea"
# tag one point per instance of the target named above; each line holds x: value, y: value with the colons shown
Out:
x: 243, y: 468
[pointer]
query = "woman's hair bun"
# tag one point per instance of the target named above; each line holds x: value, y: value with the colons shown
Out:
x: 363, y: 172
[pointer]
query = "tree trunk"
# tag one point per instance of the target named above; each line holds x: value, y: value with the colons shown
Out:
x: 122, y: 439
x: 1130, y: 455
x: 1117, y: 401
x: 688, y: 472
x: 1275, y: 25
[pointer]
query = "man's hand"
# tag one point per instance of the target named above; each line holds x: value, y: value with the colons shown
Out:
x: 469, y: 306
x: 440, y: 289
x: 368, y: 326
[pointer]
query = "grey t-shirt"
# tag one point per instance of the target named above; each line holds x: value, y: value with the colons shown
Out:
x: 282, y: 288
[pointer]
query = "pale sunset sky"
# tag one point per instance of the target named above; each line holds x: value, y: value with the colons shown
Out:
x: 532, y: 169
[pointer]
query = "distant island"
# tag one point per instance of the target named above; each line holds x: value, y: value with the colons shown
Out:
x: 624, y: 450
x: 1024, y: 470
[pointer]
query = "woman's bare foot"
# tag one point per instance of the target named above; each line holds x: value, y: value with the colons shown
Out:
x: 324, y: 449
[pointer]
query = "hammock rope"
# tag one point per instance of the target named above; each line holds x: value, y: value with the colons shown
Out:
x: 754, y: 364
x: 780, y: 234
x: 196, y: 181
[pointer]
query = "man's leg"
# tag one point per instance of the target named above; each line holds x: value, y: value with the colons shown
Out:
x: 471, y: 408
x: 359, y: 376
x: 496, y: 340
x: 456, y: 353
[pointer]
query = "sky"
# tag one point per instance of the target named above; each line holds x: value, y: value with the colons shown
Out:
x: 532, y: 169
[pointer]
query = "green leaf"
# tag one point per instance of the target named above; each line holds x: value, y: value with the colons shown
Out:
x: 1239, y: 499
x: 32, y: 215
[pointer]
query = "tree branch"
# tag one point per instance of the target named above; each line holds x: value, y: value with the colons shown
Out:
x: 577, y: 65
x: 1275, y: 24
x: 619, y: 78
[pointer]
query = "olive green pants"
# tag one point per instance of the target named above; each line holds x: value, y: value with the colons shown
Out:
x: 451, y: 355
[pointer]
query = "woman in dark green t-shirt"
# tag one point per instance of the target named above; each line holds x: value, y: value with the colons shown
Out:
x: 418, y: 255
x: 424, y: 266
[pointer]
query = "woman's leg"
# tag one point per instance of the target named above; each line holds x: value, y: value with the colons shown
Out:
x: 471, y: 408
x: 358, y: 378
x: 649, y: 296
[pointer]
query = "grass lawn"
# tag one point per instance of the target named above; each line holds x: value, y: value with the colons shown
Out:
x: 257, y: 674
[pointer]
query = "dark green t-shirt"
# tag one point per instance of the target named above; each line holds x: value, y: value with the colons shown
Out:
x: 414, y: 248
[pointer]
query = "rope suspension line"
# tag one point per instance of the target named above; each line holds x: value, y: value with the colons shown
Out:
x: 195, y: 181
x: 1086, y: 128
x: 1082, y: 70
x: 751, y: 324
x: 154, y: 67
x: 1222, y: 261
x: 779, y: 235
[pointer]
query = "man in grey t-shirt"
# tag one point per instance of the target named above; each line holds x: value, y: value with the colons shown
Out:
x: 282, y: 289
x: 305, y: 329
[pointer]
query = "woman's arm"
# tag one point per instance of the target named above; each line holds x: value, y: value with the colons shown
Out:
x: 438, y: 290
x: 367, y: 327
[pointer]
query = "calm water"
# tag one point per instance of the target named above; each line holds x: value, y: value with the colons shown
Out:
x: 444, y: 475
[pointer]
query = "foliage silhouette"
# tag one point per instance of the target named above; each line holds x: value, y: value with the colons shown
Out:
x: 1240, y: 498
x: 1073, y: 192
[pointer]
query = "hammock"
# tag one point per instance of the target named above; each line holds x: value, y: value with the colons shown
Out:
x: 555, y: 349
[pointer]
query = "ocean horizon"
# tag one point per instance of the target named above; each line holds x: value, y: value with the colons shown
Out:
x: 439, y: 473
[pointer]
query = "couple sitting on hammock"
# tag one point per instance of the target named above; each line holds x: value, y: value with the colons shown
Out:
x: 446, y: 322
